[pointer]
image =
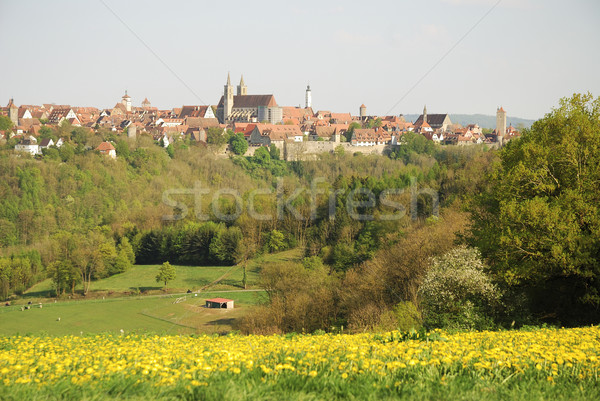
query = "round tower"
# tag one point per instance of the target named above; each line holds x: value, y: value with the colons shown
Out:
x: 363, y: 111
x: 308, y: 97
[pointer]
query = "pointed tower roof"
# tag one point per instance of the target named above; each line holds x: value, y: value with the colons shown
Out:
x: 362, y: 106
x: 501, y: 109
x: 146, y: 100
x: 11, y: 104
x: 228, y: 79
x: 126, y: 96
x: 242, y: 81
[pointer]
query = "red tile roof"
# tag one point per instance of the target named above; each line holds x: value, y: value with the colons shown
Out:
x: 297, y: 112
x: 105, y: 147
x: 342, y: 117
x: 219, y: 300
x: 245, y: 129
x: 291, y: 121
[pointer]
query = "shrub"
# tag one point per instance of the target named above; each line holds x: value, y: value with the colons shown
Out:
x: 457, y: 293
x: 312, y: 263
x: 408, y: 316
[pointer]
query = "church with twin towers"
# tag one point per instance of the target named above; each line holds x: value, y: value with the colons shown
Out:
x: 242, y: 107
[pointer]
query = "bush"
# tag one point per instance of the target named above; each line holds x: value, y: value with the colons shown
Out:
x: 370, y: 317
x: 312, y: 263
x: 408, y: 316
x: 457, y: 293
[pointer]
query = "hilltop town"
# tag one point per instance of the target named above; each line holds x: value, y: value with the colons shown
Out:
x: 299, y: 132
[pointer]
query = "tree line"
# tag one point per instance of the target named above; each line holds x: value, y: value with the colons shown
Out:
x: 48, y: 203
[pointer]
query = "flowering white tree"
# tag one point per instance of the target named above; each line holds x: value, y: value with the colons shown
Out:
x: 456, y: 291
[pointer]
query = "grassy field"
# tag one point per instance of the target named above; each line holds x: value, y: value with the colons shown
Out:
x: 156, y: 314
x: 115, y: 303
x: 542, y: 364
x: 143, y: 278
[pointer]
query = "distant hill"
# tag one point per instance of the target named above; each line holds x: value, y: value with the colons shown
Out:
x: 484, y: 121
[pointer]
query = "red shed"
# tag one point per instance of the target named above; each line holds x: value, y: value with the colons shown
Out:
x: 219, y: 303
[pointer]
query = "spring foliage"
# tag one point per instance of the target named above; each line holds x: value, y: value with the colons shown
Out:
x: 457, y: 292
x: 538, y: 220
x: 166, y: 273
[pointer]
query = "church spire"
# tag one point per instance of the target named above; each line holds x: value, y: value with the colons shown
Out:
x: 227, y: 99
x: 425, y: 114
x: 242, y: 89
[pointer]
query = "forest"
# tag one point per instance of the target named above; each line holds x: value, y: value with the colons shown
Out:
x: 453, y: 237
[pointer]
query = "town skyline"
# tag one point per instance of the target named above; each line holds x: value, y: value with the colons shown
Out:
x: 456, y: 56
x: 138, y: 101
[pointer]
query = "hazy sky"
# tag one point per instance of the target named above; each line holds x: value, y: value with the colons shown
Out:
x: 524, y: 54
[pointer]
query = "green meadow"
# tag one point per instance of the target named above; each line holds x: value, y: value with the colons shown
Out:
x: 169, y: 314
x: 134, y: 302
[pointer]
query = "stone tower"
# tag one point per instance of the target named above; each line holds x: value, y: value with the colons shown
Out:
x: 363, y: 112
x: 13, y: 112
x: 227, y: 99
x: 242, y: 89
x: 424, y: 114
x: 308, y: 97
x: 132, y: 131
x: 126, y: 101
x: 146, y: 104
x: 500, y: 124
